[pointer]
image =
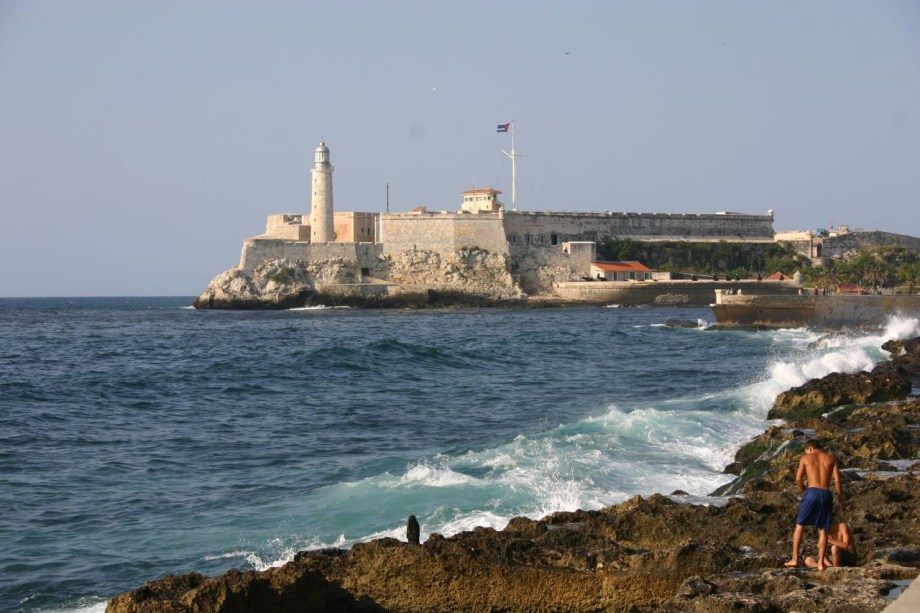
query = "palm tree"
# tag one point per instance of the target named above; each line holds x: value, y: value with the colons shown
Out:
x: 877, y: 274
x: 859, y: 268
x: 910, y: 275
x: 829, y: 277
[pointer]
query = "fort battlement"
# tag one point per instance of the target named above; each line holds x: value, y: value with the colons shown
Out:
x: 552, y: 228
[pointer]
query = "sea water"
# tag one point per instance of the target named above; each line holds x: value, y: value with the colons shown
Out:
x: 141, y: 437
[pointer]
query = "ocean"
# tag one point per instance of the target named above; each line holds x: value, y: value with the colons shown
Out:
x: 141, y: 437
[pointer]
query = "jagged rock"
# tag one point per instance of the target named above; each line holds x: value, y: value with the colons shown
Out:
x: 412, y: 530
x: 890, y: 380
x: 467, y: 277
x: 819, y: 395
x: 277, y: 284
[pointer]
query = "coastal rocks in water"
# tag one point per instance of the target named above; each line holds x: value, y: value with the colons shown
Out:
x: 277, y: 284
x: 836, y: 389
x: 890, y: 380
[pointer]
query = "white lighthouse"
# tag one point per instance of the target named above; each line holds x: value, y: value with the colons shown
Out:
x: 322, y: 227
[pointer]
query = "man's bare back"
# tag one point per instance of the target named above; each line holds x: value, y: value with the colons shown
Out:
x: 817, y: 467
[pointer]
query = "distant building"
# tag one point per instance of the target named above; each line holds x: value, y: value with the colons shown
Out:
x: 352, y: 227
x: 620, y: 271
x: 481, y: 201
x: 810, y: 243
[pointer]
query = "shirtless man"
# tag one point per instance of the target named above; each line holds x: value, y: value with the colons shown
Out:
x: 843, y: 547
x: 816, y: 467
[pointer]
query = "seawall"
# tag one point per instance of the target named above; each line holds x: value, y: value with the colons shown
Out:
x: 666, y: 293
x: 821, y: 311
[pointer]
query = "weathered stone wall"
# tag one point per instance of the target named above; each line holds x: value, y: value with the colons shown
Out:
x: 537, y: 228
x: 837, y: 246
x: 442, y: 232
x: 259, y: 250
x: 351, y: 227
x: 289, y: 226
x: 803, y: 241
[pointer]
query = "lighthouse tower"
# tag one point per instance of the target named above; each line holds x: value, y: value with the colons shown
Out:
x: 322, y: 227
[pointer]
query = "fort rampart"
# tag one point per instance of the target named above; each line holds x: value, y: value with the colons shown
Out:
x: 538, y: 228
x: 442, y: 232
x: 259, y: 250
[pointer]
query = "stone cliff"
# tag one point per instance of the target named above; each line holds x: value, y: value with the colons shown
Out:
x: 407, y: 278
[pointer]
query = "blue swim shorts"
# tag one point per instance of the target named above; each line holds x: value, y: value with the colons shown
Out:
x: 815, y: 508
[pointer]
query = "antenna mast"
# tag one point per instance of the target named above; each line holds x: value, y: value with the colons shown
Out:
x: 513, y: 157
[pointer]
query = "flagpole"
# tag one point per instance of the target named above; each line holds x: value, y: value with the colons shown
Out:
x: 513, y: 157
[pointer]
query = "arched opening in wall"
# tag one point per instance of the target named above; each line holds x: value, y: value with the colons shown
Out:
x: 818, y: 250
x: 554, y: 239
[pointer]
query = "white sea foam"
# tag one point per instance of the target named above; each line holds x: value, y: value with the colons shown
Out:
x: 816, y: 356
x: 902, y: 328
x: 95, y: 607
x: 318, y: 307
x: 434, y: 476
x: 485, y: 519
x: 278, y: 552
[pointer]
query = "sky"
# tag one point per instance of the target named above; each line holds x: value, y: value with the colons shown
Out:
x: 141, y: 142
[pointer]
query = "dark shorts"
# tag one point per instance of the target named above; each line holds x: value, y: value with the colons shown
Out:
x: 815, y: 508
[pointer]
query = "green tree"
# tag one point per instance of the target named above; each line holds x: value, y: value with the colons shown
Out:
x: 858, y: 269
x: 877, y: 274
x: 909, y: 275
x: 829, y: 276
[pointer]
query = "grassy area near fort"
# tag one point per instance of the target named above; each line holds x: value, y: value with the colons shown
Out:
x: 886, y: 266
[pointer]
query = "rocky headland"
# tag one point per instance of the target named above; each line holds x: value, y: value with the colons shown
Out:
x: 468, y: 277
x: 645, y: 554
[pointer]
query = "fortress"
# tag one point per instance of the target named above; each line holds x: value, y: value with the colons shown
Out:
x: 481, y: 249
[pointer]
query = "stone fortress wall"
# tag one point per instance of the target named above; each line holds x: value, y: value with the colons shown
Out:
x: 259, y: 250
x: 443, y: 232
x: 552, y: 228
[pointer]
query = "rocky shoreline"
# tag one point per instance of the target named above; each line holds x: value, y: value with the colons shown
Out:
x: 645, y: 554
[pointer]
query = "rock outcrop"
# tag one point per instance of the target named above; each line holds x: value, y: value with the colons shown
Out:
x: 404, y: 279
x: 891, y: 380
x: 645, y: 554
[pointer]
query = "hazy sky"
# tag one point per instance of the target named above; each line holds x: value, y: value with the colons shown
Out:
x: 142, y: 141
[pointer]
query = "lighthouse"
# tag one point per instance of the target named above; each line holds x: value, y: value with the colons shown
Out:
x: 322, y: 227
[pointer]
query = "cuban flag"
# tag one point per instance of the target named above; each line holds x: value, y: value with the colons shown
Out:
x: 503, y: 127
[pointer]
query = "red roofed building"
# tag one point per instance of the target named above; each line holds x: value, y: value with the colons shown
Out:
x: 620, y: 271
